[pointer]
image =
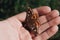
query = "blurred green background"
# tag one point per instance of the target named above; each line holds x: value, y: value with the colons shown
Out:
x: 9, y: 8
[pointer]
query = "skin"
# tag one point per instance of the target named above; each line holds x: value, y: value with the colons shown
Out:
x: 12, y: 28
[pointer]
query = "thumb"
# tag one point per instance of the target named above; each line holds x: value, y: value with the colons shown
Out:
x: 21, y: 16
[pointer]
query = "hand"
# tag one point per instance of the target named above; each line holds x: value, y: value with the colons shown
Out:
x: 12, y: 28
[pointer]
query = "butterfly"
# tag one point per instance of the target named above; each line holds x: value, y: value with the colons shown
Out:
x: 31, y: 23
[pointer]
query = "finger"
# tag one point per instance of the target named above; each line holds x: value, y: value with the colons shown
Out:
x: 24, y: 34
x: 52, y: 15
x: 41, y: 10
x: 48, y: 17
x: 42, y: 20
x: 47, y: 25
x: 49, y: 33
x: 52, y: 31
x: 44, y: 10
x: 37, y: 38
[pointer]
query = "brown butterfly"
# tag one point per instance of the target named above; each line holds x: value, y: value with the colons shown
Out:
x: 31, y: 23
